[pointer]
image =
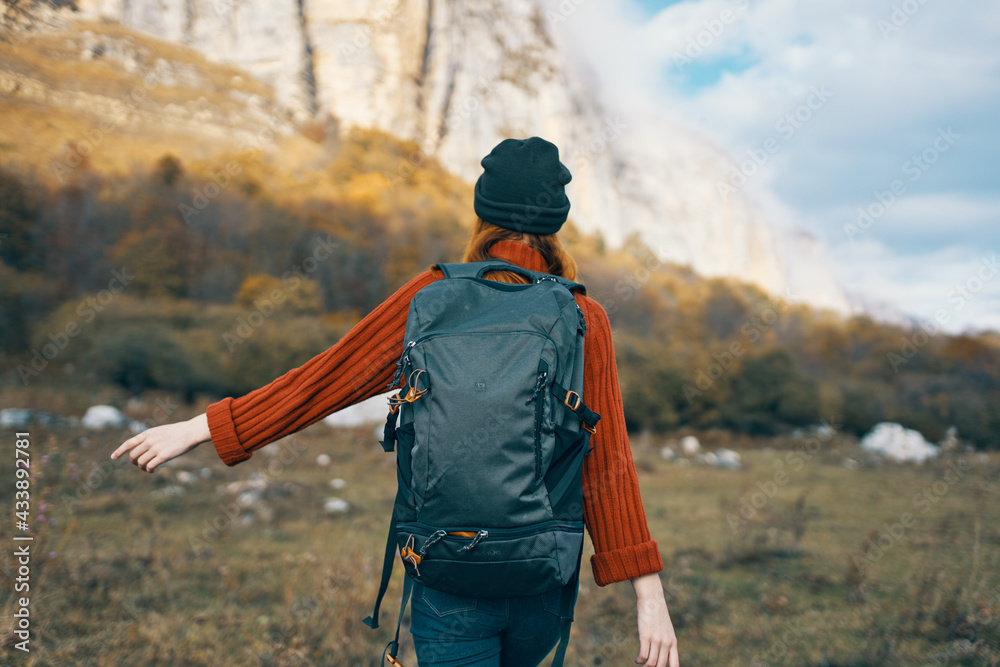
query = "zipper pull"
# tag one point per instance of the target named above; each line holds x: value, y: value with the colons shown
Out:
x: 433, y: 539
x: 539, y: 383
x: 481, y: 535
x: 583, y: 320
x: 399, y: 364
x: 543, y: 372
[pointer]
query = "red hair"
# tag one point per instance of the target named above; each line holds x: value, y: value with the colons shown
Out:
x: 485, y: 234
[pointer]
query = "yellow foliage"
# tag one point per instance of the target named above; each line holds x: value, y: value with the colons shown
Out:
x: 298, y: 295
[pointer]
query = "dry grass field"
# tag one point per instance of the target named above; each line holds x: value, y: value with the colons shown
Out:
x: 882, y: 564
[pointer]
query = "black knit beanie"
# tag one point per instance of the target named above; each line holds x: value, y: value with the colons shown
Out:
x: 522, y: 187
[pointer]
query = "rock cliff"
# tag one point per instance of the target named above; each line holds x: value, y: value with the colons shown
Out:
x: 457, y: 77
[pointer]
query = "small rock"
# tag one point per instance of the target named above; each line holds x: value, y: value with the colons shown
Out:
x: 255, y: 483
x: 168, y: 491
x: 323, y: 460
x: 825, y: 432
x: 727, y: 458
x: 690, y: 445
x: 336, y: 506
x: 184, y: 477
x: 264, y: 511
x: 668, y: 453
x: 247, y: 498
x: 337, y: 483
x: 137, y: 427
x: 14, y: 417
x: 950, y: 441
x: 850, y: 464
x: 102, y: 416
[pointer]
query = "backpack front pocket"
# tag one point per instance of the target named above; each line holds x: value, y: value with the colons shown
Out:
x: 479, y: 432
x: 491, y: 563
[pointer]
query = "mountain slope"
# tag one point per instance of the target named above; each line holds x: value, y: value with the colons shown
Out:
x: 457, y: 77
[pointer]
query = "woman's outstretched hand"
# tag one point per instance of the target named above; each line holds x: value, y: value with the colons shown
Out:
x: 657, y: 640
x: 159, y: 444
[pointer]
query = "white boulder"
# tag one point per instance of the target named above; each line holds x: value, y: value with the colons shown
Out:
x: 727, y: 458
x: 690, y: 445
x: 185, y: 477
x: 248, y: 498
x: 102, y: 416
x: 14, y: 417
x: 898, y: 443
x: 369, y: 411
x: 336, y: 506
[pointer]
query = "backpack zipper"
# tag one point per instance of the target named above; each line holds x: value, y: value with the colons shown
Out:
x: 536, y: 396
x: 436, y: 534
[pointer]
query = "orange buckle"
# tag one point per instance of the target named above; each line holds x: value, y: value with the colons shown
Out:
x: 392, y: 660
x: 409, y: 555
x: 588, y: 428
x: 576, y: 404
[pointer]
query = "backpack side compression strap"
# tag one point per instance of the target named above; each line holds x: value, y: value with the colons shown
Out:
x: 387, y: 562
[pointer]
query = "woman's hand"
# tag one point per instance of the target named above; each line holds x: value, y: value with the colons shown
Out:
x: 657, y: 641
x: 159, y: 444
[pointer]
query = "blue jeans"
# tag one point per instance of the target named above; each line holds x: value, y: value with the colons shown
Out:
x: 449, y: 631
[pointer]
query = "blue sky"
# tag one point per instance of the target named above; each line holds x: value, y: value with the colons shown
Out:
x: 902, y: 74
x: 654, y: 6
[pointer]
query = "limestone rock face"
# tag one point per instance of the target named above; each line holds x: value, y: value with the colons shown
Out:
x: 457, y: 76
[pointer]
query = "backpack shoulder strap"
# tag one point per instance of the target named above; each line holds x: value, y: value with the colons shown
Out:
x: 475, y: 270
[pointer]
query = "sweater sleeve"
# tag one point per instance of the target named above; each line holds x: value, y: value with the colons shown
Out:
x: 612, y: 507
x: 358, y: 366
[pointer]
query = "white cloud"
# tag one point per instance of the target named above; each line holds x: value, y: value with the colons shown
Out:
x: 911, y: 217
x: 893, y: 90
x: 964, y: 286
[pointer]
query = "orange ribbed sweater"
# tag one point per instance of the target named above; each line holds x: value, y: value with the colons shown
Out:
x: 361, y: 365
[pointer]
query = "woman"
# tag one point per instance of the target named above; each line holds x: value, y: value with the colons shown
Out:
x: 521, y: 203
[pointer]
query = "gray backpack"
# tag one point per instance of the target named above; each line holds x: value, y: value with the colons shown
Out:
x: 491, y: 438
